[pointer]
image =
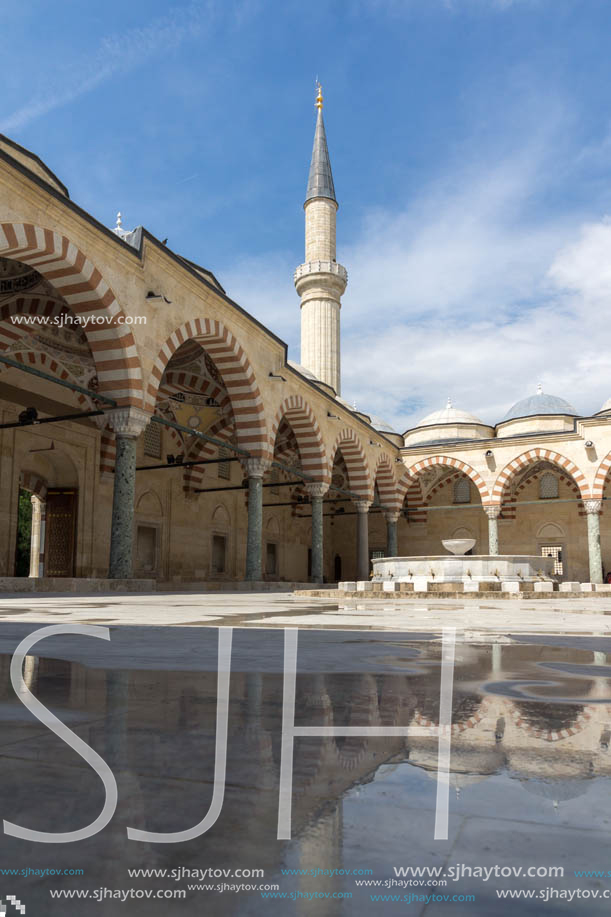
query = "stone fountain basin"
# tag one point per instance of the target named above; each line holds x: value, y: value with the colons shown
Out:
x: 448, y: 568
x: 458, y: 545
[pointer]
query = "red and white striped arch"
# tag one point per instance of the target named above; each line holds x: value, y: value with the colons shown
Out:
x: 37, y: 359
x: 387, y: 484
x: 600, y: 479
x: 359, y: 477
x: 300, y: 416
x: 29, y: 307
x: 538, y: 455
x: 236, y: 372
x: 174, y: 382
x: 87, y: 294
x: 193, y: 476
x: 452, y: 463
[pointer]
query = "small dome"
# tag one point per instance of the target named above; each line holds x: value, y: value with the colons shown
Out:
x: 539, y: 404
x: 303, y: 371
x: 606, y: 406
x: 449, y: 415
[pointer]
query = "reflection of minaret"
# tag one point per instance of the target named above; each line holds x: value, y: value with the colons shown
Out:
x: 321, y: 846
x: 320, y: 281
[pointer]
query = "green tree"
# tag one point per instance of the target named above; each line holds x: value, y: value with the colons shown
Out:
x: 24, y: 532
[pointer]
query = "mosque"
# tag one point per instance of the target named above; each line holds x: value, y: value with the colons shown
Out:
x: 153, y: 430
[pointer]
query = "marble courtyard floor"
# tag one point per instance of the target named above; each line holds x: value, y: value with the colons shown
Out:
x: 240, y: 609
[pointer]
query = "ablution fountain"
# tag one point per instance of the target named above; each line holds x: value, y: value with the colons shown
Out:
x: 459, y: 567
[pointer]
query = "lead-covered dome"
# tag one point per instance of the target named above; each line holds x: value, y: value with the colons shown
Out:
x: 446, y: 426
x: 449, y: 414
x: 538, y: 405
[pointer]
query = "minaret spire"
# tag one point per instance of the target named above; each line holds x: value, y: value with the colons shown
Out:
x: 320, y: 179
x: 320, y: 280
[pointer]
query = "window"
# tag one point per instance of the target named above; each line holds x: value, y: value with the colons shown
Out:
x: 554, y: 551
x: 462, y: 490
x: 219, y: 553
x: 224, y: 468
x: 152, y: 440
x: 548, y: 487
x: 375, y: 555
x: 271, y: 558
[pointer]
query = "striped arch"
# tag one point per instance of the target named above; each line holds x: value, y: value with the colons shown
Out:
x: 193, y: 476
x: 42, y: 306
x: 42, y: 360
x: 32, y: 482
x: 411, y: 489
x: 85, y: 291
x: 449, y: 478
x: 236, y: 373
x: 600, y: 480
x: 387, y: 484
x: 300, y: 416
x: 529, y: 458
x: 359, y: 476
x: 449, y: 462
x: 511, y: 502
x: 175, y: 382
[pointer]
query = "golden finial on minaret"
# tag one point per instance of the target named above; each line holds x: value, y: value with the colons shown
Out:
x: 318, y: 95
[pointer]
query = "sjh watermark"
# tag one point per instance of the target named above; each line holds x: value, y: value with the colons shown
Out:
x: 290, y: 731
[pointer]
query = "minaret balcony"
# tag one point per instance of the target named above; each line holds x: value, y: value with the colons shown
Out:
x: 322, y: 267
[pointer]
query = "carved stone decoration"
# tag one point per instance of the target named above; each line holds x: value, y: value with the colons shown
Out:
x: 128, y: 421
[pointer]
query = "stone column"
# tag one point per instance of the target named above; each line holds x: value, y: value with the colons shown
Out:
x: 317, y: 492
x: 128, y: 424
x: 493, y: 513
x: 392, y: 548
x: 362, y: 539
x: 37, y: 536
x: 593, y: 508
x: 255, y: 469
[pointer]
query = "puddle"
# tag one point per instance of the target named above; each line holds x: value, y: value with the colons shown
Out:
x: 530, y: 773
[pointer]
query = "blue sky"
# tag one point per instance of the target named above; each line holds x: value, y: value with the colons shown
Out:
x: 471, y: 149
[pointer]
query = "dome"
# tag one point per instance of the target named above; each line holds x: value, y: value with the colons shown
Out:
x: 538, y: 404
x: 606, y: 406
x: 448, y: 415
x: 303, y: 371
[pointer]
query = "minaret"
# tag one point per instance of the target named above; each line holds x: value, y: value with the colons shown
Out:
x: 320, y: 281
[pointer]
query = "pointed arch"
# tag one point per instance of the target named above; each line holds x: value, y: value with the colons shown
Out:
x: 410, y: 489
x: 236, y: 372
x: 41, y: 306
x: 600, y: 478
x: 538, y: 455
x: 42, y: 360
x: 450, y: 462
x: 301, y: 417
x: 79, y: 282
x: 352, y: 450
x: 387, y: 485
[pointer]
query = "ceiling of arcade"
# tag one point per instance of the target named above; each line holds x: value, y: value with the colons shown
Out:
x: 24, y: 292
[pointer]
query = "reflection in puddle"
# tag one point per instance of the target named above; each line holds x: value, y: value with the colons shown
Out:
x: 530, y: 768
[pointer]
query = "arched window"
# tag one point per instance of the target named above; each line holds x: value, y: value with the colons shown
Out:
x: 548, y: 486
x: 462, y: 490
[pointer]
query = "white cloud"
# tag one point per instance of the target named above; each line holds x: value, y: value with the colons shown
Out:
x: 115, y: 55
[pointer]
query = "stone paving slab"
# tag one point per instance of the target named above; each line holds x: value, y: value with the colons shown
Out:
x: 592, y: 614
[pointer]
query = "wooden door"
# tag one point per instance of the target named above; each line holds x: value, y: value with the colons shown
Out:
x: 60, y: 535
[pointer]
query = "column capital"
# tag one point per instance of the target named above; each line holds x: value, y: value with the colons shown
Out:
x: 493, y: 512
x: 317, y: 488
x: 391, y: 515
x: 362, y: 506
x: 256, y: 467
x: 592, y: 507
x: 128, y: 421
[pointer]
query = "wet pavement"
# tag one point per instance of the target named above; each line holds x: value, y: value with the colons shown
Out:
x: 530, y: 772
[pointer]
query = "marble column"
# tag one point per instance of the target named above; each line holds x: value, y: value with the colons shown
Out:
x: 362, y: 539
x: 37, y: 542
x: 317, y: 492
x: 493, y: 513
x: 255, y: 470
x: 392, y: 548
x: 128, y: 424
x: 593, y: 508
